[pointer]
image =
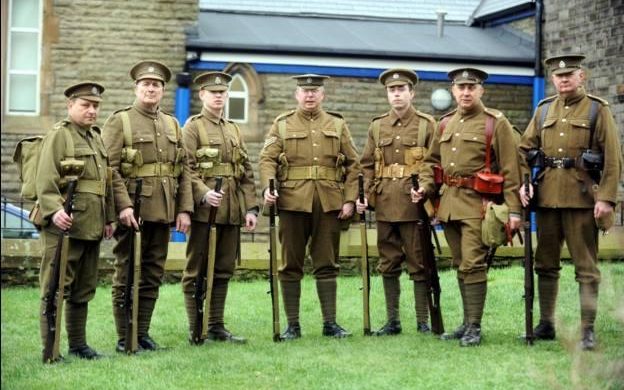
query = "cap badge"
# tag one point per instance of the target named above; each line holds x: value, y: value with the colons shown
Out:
x: 150, y: 69
x: 217, y: 80
x: 95, y: 91
x: 309, y: 80
x: 465, y: 74
x: 395, y: 76
x: 562, y: 64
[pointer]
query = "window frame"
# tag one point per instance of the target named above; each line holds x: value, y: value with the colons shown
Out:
x: 9, y: 53
x: 244, y: 94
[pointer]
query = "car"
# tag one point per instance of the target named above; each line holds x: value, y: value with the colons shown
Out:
x: 15, y: 223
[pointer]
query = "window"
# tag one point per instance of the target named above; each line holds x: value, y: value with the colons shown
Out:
x: 23, y: 57
x: 238, y: 102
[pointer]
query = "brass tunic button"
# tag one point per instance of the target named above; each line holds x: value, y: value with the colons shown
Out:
x: 160, y: 150
x: 456, y: 134
x: 165, y: 181
x: 452, y: 164
x: 315, y: 159
x: 140, y: 139
x: 561, y: 134
x: 566, y: 107
x: 564, y: 120
x: 474, y: 138
x: 158, y: 134
x: 461, y: 121
x: 559, y: 150
x: 314, y: 144
x: 394, y: 179
x: 454, y: 149
x: 396, y: 150
x: 313, y: 131
x: 398, y: 137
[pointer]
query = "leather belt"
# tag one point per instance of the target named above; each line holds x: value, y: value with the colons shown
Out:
x: 562, y: 162
x: 458, y: 181
x: 396, y: 171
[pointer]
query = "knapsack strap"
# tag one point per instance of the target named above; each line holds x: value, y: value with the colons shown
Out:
x: 593, y: 117
x: 422, y: 132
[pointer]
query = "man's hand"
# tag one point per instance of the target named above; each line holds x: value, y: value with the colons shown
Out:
x: 108, y: 231
x: 418, y: 195
x: 62, y: 220
x: 213, y: 198
x: 602, y: 209
x: 347, y: 211
x: 270, y: 199
x: 183, y: 222
x: 126, y: 217
x: 250, y: 222
x: 523, y: 198
x: 514, y: 223
x: 361, y: 207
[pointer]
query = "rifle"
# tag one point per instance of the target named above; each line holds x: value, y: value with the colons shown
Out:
x: 56, y: 287
x: 528, y: 270
x: 365, y: 263
x: 133, y: 277
x: 204, y: 279
x: 273, y: 285
x: 433, y: 280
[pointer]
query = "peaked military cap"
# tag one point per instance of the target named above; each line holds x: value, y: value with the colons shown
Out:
x: 398, y: 76
x: 467, y: 76
x: 310, y: 81
x: 150, y: 69
x: 564, y: 63
x: 213, y: 81
x: 87, y: 90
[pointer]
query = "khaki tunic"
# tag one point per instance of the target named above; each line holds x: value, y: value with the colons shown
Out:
x: 398, y: 237
x: 90, y: 211
x: 565, y: 199
x: 461, y: 152
x: 162, y: 196
x: 311, y: 139
x: 239, y: 197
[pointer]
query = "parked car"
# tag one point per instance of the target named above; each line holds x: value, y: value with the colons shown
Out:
x: 15, y: 223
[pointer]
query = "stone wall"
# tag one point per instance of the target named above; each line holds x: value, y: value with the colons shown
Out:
x: 594, y: 28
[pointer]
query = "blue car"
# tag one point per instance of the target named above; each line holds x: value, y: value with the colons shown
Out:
x: 15, y: 222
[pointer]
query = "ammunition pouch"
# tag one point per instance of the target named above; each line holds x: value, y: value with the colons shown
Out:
x: 535, y: 158
x: 130, y: 158
x: 282, y: 168
x: 592, y: 161
x: 414, y: 156
x: 341, y: 171
x: 488, y: 183
x: 379, y: 161
x: 208, y: 159
x: 72, y: 167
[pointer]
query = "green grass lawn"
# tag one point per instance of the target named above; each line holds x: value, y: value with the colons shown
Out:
x: 406, y: 361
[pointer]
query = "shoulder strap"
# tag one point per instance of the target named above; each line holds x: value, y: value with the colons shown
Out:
x: 376, y: 130
x: 422, y: 132
x: 444, y: 122
x: 338, y: 126
x: 593, y: 117
x: 544, y: 112
x: 201, y: 130
x: 489, y: 131
x: 127, y: 130
x: 69, y: 143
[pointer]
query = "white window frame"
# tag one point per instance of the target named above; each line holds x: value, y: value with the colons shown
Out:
x: 36, y: 72
x: 244, y: 94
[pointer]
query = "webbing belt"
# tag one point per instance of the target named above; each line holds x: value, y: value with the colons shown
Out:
x: 313, y: 172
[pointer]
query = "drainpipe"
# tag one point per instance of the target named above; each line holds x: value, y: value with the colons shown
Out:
x: 441, y: 15
x: 538, y: 79
x: 183, y: 97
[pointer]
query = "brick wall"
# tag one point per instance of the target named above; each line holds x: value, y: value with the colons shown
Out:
x: 100, y: 41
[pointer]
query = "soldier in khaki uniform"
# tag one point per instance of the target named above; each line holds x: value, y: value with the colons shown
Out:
x: 215, y: 148
x: 459, y: 148
x: 92, y: 213
x: 395, y: 148
x: 572, y: 202
x: 143, y: 141
x: 309, y: 151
